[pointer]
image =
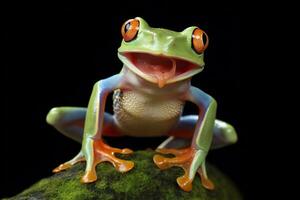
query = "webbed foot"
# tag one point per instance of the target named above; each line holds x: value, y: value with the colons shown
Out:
x: 101, y: 153
x: 189, y: 159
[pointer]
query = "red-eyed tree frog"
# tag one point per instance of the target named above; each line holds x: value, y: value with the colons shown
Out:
x: 149, y: 97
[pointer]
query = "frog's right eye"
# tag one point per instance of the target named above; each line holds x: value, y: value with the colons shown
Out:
x: 130, y: 29
x: 199, y: 40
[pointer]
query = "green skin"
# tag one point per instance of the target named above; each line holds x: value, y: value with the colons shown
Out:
x: 163, y: 43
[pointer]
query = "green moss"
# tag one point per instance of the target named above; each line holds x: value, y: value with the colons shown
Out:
x: 145, y: 181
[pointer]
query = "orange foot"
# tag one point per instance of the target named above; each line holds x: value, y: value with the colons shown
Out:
x: 102, y: 153
x: 183, y: 158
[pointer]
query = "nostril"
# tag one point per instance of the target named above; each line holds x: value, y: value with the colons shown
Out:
x: 170, y: 41
x: 152, y: 41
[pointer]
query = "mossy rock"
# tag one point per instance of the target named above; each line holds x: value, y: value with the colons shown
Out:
x: 145, y: 181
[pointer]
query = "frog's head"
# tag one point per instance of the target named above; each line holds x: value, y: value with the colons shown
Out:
x: 162, y: 56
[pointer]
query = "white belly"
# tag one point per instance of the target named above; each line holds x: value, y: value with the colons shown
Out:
x: 139, y: 114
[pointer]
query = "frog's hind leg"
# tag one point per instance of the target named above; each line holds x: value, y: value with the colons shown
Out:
x: 70, y: 122
x: 174, y: 142
x: 224, y: 134
x: 180, y: 137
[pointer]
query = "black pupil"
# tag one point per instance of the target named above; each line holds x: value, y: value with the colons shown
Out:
x: 127, y: 27
x: 204, y: 39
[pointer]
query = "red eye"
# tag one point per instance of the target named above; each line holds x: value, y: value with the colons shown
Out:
x: 130, y: 29
x: 199, y: 40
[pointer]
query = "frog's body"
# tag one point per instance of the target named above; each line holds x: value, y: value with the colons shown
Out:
x: 149, y: 97
x: 156, y: 114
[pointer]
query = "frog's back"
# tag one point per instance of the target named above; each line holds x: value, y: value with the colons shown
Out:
x: 141, y: 114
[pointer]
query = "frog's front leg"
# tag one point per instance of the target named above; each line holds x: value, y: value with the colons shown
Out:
x: 192, y: 159
x: 94, y: 150
x: 93, y: 147
x: 70, y: 122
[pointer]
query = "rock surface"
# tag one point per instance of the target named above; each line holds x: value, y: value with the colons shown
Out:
x: 145, y: 181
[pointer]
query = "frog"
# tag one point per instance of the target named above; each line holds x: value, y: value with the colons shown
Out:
x: 149, y: 96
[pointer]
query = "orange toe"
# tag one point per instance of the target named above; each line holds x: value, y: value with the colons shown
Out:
x: 124, y: 166
x: 185, y: 183
x: 126, y: 151
x: 62, y: 167
x: 160, y: 162
x: 89, y: 177
x: 208, y: 184
x: 172, y: 151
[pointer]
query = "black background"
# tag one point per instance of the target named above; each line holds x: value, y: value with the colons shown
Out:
x: 57, y: 53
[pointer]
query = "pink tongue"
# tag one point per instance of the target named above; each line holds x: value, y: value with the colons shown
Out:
x: 163, y: 77
x: 157, y: 67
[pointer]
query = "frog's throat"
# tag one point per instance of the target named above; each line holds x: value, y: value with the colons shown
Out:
x: 160, y: 70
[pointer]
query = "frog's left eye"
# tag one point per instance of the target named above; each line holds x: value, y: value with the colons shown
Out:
x: 199, y: 40
x: 130, y: 29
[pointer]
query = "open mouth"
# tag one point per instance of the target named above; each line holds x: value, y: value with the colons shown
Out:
x: 161, y: 69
